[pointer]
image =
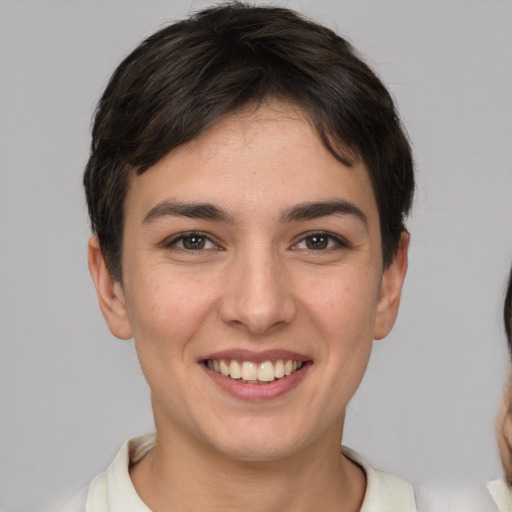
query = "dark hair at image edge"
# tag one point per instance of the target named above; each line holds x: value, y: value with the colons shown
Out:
x: 189, y: 75
x: 507, y: 312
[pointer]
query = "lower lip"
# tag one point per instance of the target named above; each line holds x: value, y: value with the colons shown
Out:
x: 259, y: 392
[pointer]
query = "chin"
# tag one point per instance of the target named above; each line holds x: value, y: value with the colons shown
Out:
x: 259, y: 443
x: 258, y: 452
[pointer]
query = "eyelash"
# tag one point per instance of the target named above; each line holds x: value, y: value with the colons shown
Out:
x: 333, y: 242
x: 173, y: 242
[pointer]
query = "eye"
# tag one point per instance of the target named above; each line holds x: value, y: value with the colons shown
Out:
x: 320, y: 242
x: 191, y: 242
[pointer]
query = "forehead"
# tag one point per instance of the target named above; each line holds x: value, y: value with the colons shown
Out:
x: 265, y: 156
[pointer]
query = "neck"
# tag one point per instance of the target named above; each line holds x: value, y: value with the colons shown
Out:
x: 183, y: 474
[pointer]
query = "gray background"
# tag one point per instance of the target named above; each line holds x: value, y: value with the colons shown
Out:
x: 70, y: 394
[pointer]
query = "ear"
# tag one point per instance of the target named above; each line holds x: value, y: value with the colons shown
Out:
x: 110, y: 293
x: 391, y: 290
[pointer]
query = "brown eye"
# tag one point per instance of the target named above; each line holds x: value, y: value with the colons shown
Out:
x: 194, y: 242
x: 317, y: 242
x: 191, y: 242
x: 321, y: 241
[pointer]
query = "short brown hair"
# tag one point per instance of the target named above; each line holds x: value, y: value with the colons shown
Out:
x: 186, y: 77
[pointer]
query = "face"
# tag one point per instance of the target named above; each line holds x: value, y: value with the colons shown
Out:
x: 253, y: 285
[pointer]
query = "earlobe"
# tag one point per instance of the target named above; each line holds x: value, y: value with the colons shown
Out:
x: 110, y: 292
x: 391, y: 290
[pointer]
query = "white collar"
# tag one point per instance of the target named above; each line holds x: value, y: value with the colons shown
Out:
x: 113, y: 491
x: 501, y: 494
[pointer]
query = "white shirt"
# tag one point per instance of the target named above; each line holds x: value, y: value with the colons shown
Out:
x: 113, y: 490
x: 496, y: 498
x: 501, y: 494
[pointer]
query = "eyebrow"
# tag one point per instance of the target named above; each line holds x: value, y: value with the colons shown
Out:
x: 205, y: 211
x: 208, y: 211
x: 314, y: 210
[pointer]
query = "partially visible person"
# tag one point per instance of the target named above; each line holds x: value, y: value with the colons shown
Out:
x: 501, y: 489
x: 499, y: 497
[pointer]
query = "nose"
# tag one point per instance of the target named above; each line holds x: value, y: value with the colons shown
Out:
x: 257, y: 292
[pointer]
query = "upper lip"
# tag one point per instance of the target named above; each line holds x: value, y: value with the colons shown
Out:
x: 256, y: 357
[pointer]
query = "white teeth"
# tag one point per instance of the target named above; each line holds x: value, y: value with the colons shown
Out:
x: 266, y: 372
x: 251, y: 372
x: 279, y: 369
x: 224, y: 368
x: 235, y: 371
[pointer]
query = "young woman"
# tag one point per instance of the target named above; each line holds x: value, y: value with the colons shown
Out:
x: 247, y: 188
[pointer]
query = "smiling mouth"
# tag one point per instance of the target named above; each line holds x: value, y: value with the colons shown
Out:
x: 250, y: 372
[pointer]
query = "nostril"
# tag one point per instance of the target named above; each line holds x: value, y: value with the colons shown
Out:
x: 255, y: 318
x: 256, y: 293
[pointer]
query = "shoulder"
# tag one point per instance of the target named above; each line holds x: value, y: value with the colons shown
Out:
x: 501, y: 494
x: 74, y: 503
x: 113, y: 489
x: 462, y: 498
x: 385, y: 492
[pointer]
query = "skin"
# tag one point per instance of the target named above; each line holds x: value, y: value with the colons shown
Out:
x: 255, y: 285
x: 504, y: 429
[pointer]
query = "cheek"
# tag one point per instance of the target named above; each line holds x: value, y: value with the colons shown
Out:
x: 342, y: 312
x: 167, y: 313
x: 342, y: 304
x: 168, y: 308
